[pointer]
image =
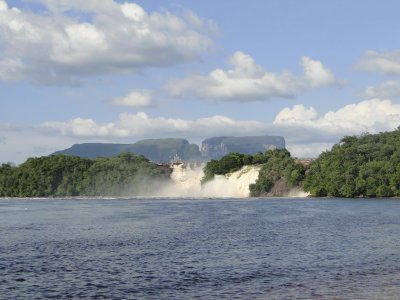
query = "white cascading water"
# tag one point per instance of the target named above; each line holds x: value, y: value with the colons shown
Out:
x: 297, y: 193
x: 187, y: 183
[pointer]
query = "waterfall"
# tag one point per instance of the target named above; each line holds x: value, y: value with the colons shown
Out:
x: 186, y: 182
x: 234, y: 184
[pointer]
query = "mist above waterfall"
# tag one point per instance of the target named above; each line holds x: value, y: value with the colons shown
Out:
x: 186, y: 182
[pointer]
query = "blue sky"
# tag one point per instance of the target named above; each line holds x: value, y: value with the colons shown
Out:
x: 119, y: 71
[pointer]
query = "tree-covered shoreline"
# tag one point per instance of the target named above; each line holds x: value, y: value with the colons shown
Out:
x: 365, y: 166
x: 358, y: 166
x: 68, y: 176
x: 276, y: 165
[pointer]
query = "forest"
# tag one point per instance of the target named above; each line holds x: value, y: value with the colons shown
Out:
x: 358, y: 166
x: 66, y: 176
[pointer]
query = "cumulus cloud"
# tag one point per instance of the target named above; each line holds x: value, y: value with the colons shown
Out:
x: 387, y: 89
x: 387, y: 63
x: 3, y: 6
x: 141, y: 125
x: 60, y: 47
x: 316, y: 74
x: 137, y: 99
x: 367, y: 116
x: 247, y: 81
x: 308, y: 150
x: 11, y: 69
x: 306, y: 133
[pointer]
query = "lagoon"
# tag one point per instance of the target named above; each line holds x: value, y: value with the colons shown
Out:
x: 200, y: 248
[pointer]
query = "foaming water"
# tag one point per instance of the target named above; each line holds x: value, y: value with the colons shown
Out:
x: 297, y: 193
x: 186, y: 182
x: 188, y: 249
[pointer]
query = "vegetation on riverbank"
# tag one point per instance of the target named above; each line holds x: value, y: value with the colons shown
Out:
x: 279, y: 166
x: 358, y: 166
x: 275, y: 165
x: 363, y: 166
x: 60, y: 176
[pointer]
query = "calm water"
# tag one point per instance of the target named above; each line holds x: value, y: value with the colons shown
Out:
x: 209, y: 249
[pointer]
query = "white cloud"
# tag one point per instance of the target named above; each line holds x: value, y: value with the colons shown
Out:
x: 301, y: 126
x: 387, y: 63
x: 247, y: 81
x: 140, y: 125
x: 133, y: 11
x: 306, y: 132
x: 11, y: 69
x: 138, y: 99
x: 3, y: 5
x: 298, y: 114
x: 308, y: 150
x: 388, y: 89
x: 367, y: 116
x: 316, y: 74
x: 59, y: 46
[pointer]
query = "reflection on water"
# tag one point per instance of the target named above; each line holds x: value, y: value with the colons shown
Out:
x: 245, y: 249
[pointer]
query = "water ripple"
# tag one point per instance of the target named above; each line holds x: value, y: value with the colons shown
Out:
x: 160, y: 249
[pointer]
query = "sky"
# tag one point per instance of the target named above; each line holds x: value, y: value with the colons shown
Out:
x: 78, y: 71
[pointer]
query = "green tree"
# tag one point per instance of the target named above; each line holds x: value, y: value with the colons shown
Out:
x: 363, y: 166
x: 61, y: 175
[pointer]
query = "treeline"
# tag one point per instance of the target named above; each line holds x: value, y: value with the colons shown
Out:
x: 276, y: 165
x: 363, y: 166
x: 60, y: 176
x: 358, y: 166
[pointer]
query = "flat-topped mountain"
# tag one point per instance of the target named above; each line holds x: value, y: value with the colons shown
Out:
x: 165, y: 150
x: 217, y: 147
x: 157, y: 150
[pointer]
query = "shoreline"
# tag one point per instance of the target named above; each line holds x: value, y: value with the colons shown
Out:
x: 193, y: 198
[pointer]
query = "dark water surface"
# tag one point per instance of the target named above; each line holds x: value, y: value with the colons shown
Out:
x: 208, y: 249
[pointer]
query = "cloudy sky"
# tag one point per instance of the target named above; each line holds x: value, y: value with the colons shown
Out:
x: 74, y: 71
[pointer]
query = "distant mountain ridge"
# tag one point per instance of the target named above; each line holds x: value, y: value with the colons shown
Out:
x: 157, y: 150
x: 165, y: 150
x: 218, y: 147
